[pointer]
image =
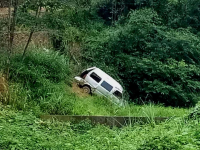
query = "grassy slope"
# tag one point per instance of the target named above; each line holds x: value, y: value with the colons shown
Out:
x: 68, y: 102
x: 40, y: 82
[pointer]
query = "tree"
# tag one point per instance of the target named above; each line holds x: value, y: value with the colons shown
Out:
x: 11, y: 28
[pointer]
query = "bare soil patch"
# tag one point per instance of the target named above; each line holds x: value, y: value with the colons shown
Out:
x: 39, y: 39
x: 4, y: 12
x: 79, y: 91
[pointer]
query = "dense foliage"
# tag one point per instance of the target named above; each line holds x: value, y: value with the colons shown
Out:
x: 154, y: 62
x: 150, y: 46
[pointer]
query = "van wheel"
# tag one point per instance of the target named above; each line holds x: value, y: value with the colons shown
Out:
x: 86, y: 89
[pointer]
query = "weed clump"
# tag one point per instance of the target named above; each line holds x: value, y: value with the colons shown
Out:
x: 195, y: 113
x: 39, y: 66
x: 42, y: 76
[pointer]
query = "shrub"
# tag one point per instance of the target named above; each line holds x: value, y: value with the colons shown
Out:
x: 159, y: 143
x: 172, y: 83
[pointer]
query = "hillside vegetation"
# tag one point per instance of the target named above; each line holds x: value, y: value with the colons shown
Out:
x: 150, y: 46
x: 42, y: 82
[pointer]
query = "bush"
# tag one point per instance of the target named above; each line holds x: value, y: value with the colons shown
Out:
x: 160, y: 143
x: 172, y: 83
x: 174, y: 134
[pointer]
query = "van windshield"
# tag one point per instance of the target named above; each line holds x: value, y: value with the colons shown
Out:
x: 118, y: 94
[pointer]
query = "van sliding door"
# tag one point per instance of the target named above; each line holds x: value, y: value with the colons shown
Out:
x: 105, y: 88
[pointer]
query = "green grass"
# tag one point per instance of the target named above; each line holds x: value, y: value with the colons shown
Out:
x: 101, y: 106
x: 22, y: 130
x: 40, y: 84
x: 62, y: 100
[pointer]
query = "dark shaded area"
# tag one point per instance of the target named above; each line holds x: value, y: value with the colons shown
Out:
x: 5, y: 3
x: 111, y: 10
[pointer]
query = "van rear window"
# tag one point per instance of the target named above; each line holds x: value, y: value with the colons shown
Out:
x: 106, y: 86
x: 95, y: 77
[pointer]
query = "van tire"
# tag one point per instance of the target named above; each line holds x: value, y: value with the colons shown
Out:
x: 86, y: 89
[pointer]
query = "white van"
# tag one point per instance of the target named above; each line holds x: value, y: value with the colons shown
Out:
x: 94, y: 80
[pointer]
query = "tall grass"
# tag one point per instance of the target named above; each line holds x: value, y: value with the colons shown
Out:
x: 40, y: 83
x: 39, y: 80
x: 102, y: 106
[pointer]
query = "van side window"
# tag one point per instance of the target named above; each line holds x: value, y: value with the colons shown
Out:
x: 106, y: 86
x: 95, y: 77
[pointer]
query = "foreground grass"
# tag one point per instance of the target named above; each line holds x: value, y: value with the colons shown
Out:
x: 100, y: 106
x: 22, y: 130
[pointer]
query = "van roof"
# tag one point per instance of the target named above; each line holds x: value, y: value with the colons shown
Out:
x: 108, y: 79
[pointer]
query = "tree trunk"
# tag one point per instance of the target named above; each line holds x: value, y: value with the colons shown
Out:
x: 11, y: 30
x: 12, y: 25
x: 38, y: 11
x: 9, y: 46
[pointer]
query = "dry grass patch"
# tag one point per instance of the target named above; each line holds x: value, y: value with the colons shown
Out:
x: 3, y: 87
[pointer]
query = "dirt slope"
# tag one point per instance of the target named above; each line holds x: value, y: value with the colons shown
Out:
x: 76, y: 89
